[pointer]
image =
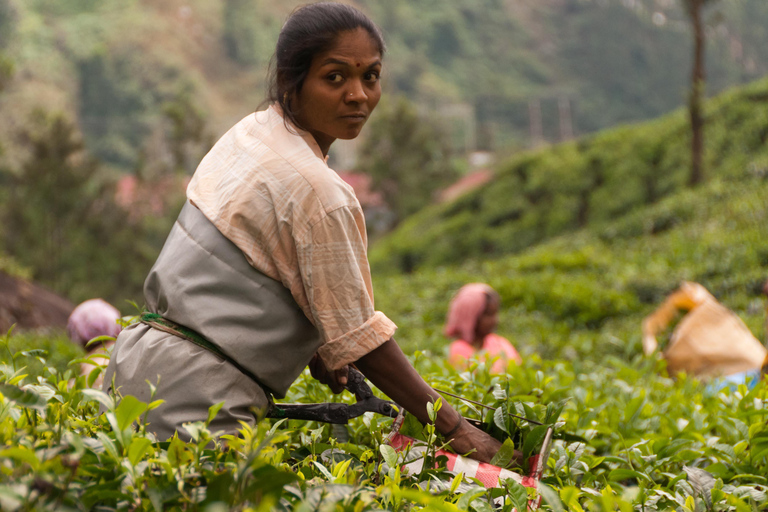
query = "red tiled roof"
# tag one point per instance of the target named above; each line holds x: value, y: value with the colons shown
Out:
x: 469, y: 182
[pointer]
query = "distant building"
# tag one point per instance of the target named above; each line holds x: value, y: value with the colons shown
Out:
x: 378, y: 215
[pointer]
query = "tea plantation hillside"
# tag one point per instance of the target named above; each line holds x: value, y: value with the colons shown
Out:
x: 584, y: 184
x: 583, y: 295
x: 118, y: 66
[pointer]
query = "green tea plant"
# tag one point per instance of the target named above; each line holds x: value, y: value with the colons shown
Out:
x: 630, y: 439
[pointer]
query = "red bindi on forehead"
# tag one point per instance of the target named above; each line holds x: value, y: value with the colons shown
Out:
x: 358, y: 64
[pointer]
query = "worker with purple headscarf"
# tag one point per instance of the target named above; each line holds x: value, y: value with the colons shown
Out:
x: 89, y: 320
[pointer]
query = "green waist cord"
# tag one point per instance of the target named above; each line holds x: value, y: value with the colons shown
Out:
x: 163, y: 324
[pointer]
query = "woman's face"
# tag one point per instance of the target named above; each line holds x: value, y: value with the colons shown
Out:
x: 489, y: 320
x: 341, y: 89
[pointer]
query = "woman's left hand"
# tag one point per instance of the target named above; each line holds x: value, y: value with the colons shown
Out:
x: 334, y: 379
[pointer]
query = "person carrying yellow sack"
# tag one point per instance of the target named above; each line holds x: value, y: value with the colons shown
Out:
x: 710, y: 341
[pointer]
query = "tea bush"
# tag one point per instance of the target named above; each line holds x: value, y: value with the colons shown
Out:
x: 629, y: 438
x: 585, y: 294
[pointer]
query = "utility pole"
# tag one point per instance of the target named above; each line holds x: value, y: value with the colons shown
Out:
x: 534, y: 117
x: 566, y: 120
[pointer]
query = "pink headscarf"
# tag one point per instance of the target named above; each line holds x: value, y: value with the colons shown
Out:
x: 93, y: 318
x: 465, y: 310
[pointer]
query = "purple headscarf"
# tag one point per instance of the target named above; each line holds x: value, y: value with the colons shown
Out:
x: 93, y: 318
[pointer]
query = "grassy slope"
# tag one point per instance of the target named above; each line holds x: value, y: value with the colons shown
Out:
x: 582, y: 292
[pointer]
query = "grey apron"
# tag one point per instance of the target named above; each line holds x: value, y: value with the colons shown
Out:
x: 202, y: 281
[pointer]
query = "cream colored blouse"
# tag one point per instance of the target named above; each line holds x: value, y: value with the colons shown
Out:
x: 267, y: 187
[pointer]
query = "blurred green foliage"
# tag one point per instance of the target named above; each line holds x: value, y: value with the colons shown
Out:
x: 8, y: 19
x: 250, y: 31
x: 627, y: 438
x: 583, y: 295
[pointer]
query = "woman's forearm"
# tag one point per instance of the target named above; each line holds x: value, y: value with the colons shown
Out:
x: 390, y: 371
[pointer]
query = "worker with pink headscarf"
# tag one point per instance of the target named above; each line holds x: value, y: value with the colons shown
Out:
x: 472, y: 319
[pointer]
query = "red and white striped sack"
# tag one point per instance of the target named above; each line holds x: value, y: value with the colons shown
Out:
x: 487, y: 474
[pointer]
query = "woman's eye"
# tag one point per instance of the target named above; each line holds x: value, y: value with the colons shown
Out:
x: 335, y: 78
x: 372, y: 76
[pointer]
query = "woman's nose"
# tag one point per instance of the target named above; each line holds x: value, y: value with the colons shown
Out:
x: 355, y: 92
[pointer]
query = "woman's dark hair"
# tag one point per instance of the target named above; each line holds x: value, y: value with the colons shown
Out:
x: 310, y: 30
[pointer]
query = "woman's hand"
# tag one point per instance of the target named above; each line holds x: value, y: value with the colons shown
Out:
x: 469, y: 438
x: 473, y: 442
x: 336, y: 380
x: 389, y: 370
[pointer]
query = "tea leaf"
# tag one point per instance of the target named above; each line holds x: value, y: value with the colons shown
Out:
x: 533, y: 440
x: 389, y: 454
x: 212, y: 412
x: 550, y: 497
x: 138, y: 448
x: 25, y: 397
x: 467, y: 498
x: 500, y: 419
x: 22, y: 454
x: 128, y: 410
x: 505, y: 455
x: 517, y: 495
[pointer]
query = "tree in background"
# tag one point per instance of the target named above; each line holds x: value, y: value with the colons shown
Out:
x: 407, y: 156
x: 50, y: 198
x: 694, y: 10
x: 61, y: 222
x: 250, y: 29
x: 6, y: 71
x: 189, y: 139
x: 240, y: 31
x: 7, y: 29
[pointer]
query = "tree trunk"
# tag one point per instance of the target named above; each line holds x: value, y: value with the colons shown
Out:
x: 697, y: 92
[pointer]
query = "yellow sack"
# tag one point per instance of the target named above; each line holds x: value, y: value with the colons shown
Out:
x: 709, y: 341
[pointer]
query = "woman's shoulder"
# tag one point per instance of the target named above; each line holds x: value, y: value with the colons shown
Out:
x: 264, y: 153
x: 497, y: 340
x: 296, y: 154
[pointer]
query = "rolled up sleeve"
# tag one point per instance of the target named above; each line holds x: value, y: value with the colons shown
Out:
x: 336, y: 276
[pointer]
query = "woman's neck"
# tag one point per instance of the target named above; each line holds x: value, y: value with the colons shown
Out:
x: 479, y: 341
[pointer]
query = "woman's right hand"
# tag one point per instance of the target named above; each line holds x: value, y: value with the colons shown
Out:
x: 336, y: 380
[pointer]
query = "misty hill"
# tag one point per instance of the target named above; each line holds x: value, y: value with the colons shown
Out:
x: 487, y: 67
